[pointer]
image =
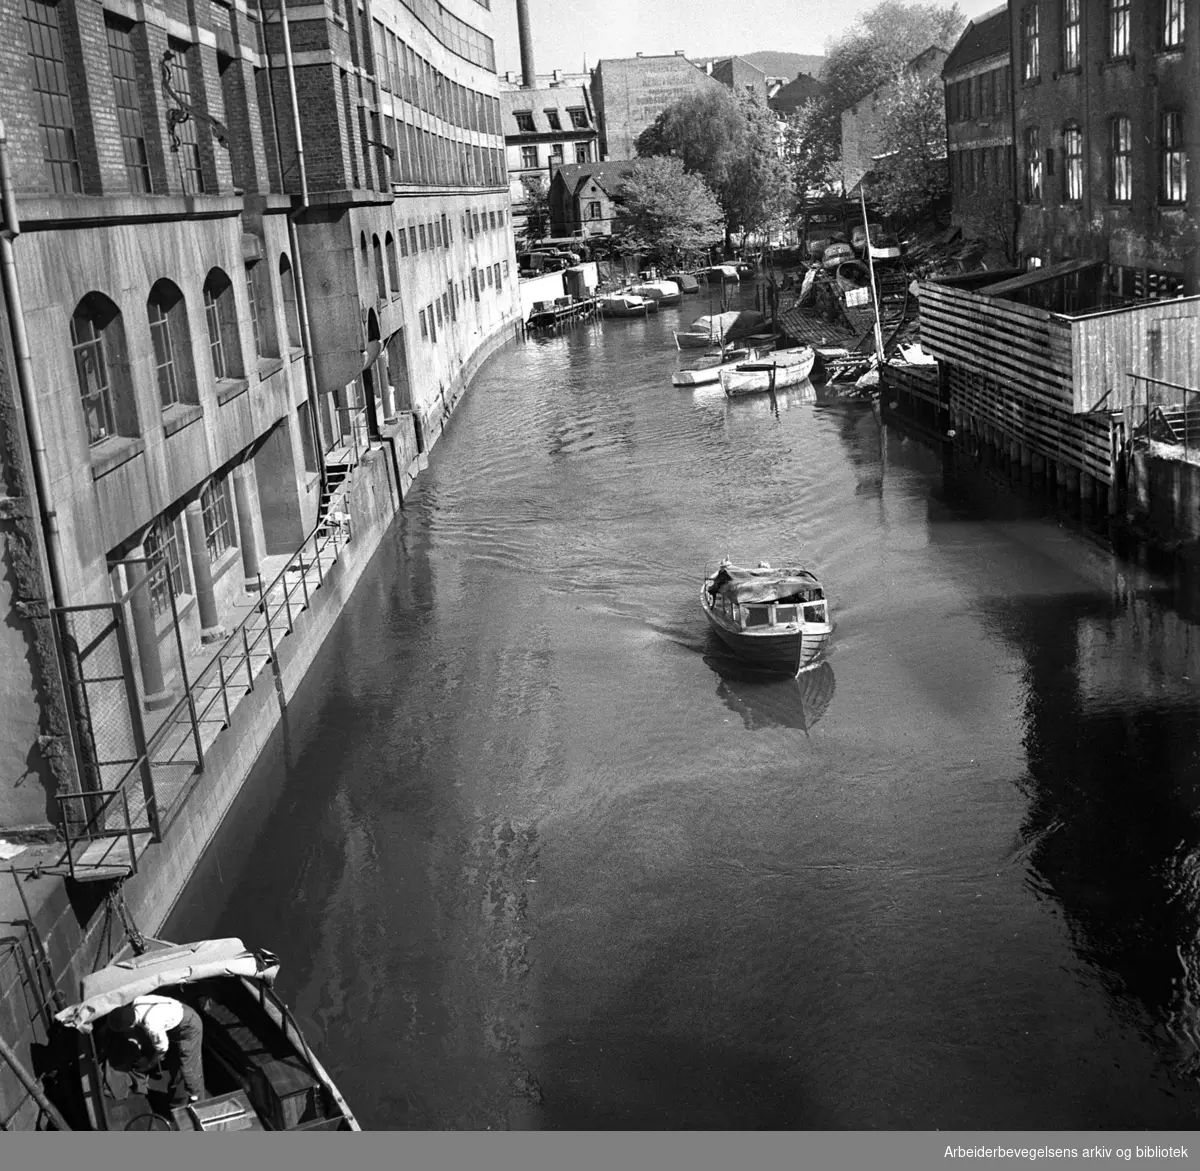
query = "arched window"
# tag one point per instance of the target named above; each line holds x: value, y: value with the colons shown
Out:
x: 389, y: 244
x: 1073, y: 159
x: 1033, y: 165
x: 381, y: 288
x: 262, y: 309
x: 291, y: 310
x: 173, y: 371
x: 220, y: 313
x: 102, y: 368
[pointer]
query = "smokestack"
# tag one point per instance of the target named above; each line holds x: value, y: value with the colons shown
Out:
x: 529, y: 77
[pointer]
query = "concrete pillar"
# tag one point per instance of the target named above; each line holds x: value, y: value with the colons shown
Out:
x: 387, y: 391
x: 156, y: 694
x: 211, y: 629
x: 245, y: 500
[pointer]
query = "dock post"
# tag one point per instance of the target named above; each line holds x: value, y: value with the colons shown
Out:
x: 1087, y: 489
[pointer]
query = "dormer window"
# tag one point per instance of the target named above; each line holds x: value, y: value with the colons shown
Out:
x: 579, y: 118
x: 552, y: 118
x: 524, y: 121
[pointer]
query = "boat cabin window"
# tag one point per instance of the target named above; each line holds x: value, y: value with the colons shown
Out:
x: 814, y: 612
x: 758, y: 616
x: 785, y: 614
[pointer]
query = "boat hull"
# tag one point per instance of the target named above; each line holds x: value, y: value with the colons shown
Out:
x: 737, y: 383
x: 791, y: 650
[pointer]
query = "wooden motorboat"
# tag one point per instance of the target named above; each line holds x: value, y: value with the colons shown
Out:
x: 722, y: 274
x: 664, y: 292
x: 685, y: 280
x: 706, y: 375
x: 259, y: 1071
x: 773, y: 371
x: 777, y: 619
x: 625, y: 305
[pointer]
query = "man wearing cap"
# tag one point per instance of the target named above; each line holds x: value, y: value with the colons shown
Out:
x: 172, y: 1028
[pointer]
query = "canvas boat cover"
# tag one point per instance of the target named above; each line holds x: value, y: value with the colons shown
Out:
x: 732, y: 324
x: 124, y: 981
x: 765, y: 585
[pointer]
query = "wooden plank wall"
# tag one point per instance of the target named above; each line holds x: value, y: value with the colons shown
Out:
x: 919, y: 381
x: 1078, y: 441
x: 1029, y: 349
x: 1108, y: 346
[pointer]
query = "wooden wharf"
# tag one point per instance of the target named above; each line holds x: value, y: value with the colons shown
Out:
x: 561, y: 312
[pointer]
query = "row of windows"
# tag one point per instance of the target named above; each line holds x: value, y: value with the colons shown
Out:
x: 1169, y: 33
x: 982, y: 96
x: 402, y: 71
x: 531, y: 157
x: 1172, y: 161
x: 99, y: 348
x: 526, y: 124
x: 417, y: 155
x: 982, y: 169
x: 445, y: 308
x: 165, y: 543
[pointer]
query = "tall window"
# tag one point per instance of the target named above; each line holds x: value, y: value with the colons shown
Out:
x: 581, y: 153
x: 43, y: 39
x: 1120, y: 160
x: 529, y: 156
x: 381, y: 288
x: 102, y: 369
x: 214, y: 508
x: 188, y: 154
x: 129, y: 106
x: 389, y: 246
x: 1070, y: 37
x: 1172, y: 24
x: 593, y: 212
x: 291, y: 311
x: 167, y: 313
x: 1033, y: 165
x: 1073, y: 157
x: 1030, y: 65
x: 262, y: 315
x: 163, y: 546
x: 1173, y: 174
x: 1118, y: 28
x: 220, y: 313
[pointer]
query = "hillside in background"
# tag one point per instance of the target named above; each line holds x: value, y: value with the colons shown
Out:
x: 785, y: 64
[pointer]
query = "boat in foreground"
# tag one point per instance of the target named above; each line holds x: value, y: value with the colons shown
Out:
x: 774, y: 618
x: 715, y: 329
x: 259, y: 1071
x: 773, y: 371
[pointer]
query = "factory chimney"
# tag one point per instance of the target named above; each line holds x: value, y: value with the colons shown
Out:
x: 528, y: 76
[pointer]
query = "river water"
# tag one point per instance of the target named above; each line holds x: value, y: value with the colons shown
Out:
x: 535, y: 855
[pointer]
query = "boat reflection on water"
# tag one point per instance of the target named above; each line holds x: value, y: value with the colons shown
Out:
x: 765, y: 700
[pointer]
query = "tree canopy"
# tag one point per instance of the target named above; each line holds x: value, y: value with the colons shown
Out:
x: 666, y: 211
x: 913, y: 173
x: 730, y: 141
x: 873, y: 50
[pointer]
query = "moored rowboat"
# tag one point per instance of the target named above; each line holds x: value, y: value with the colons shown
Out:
x: 772, y: 372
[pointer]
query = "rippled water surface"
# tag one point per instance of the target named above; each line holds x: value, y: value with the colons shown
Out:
x: 536, y: 855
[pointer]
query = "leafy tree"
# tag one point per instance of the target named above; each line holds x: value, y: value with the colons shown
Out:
x: 872, y: 51
x: 537, y: 208
x: 913, y: 173
x: 666, y: 211
x: 729, y: 140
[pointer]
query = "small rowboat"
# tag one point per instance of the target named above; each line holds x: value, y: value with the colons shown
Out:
x: 777, y: 619
x: 685, y: 280
x: 770, y: 373
x: 626, y: 305
x: 705, y: 375
x: 259, y: 1071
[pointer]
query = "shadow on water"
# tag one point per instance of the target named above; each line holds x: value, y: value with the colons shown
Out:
x: 766, y: 699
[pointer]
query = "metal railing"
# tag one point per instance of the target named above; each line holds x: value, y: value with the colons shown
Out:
x: 229, y: 675
x: 1188, y: 413
x: 93, y: 825
x: 357, y: 427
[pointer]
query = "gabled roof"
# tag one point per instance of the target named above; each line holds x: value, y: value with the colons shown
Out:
x: 536, y: 101
x: 986, y: 36
x: 609, y: 176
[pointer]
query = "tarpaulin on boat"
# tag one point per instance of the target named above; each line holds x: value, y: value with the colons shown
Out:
x: 124, y: 981
x: 766, y: 585
x: 735, y: 323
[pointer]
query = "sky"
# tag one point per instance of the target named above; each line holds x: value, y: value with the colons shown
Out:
x: 566, y: 33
